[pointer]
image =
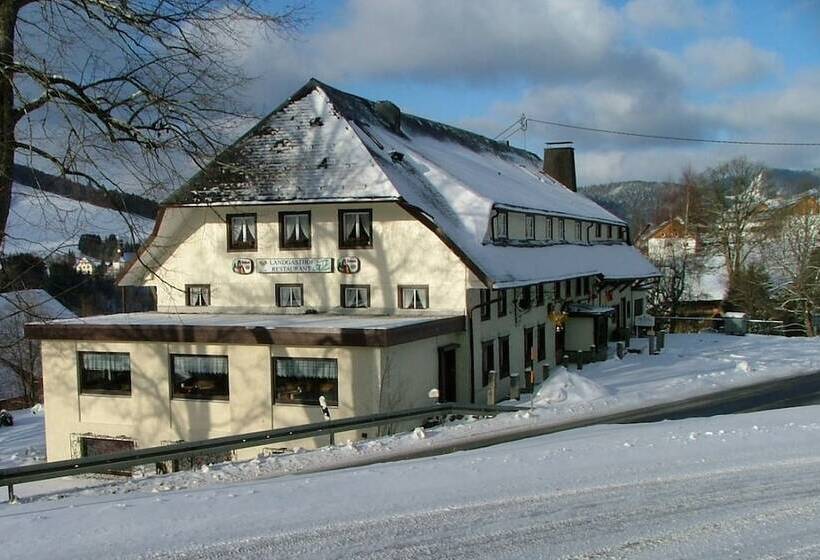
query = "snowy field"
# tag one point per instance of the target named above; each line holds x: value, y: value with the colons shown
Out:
x: 741, y: 486
x: 700, y: 488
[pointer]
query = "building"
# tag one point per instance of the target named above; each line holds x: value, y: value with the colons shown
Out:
x: 85, y: 265
x: 345, y: 249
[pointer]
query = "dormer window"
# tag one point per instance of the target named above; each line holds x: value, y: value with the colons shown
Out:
x: 355, y: 229
x: 529, y: 226
x: 294, y: 230
x: 500, y: 225
x: 241, y: 232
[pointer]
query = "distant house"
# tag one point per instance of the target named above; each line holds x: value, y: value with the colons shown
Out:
x: 671, y: 237
x: 344, y: 249
x: 85, y: 265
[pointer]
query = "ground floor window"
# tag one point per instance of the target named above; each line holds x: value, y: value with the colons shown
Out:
x: 542, y: 342
x: 529, y: 343
x: 198, y: 295
x: 304, y: 380
x: 105, y: 372
x: 414, y: 297
x: 487, y: 361
x: 638, y: 307
x: 93, y: 446
x: 199, y: 377
x: 503, y: 356
x: 289, y: 295
x: 355, y: 296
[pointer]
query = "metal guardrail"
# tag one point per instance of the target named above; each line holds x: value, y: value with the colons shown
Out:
x: 124, y: 459
x: 755, y: 326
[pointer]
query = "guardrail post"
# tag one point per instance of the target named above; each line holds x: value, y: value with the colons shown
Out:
x: 491, y: 388
x: 515, y: 386
x: 12, y: 497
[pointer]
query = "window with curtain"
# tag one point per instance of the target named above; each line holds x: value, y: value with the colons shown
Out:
x: 199, y: 377
x: 294, y: 230
x: 500, y: 225
x: 355, y: 228
x: 529, y: 226
x: 355, y: 296
x: 241, y: 232
x: 414, y: 297
x: 304, y: 380
x: 198, y: 295
x: 105, y: 372
x: 289, y: 295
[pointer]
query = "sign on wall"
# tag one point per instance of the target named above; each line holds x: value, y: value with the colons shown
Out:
x: 348, y: 265
x: 297, y: 264
x: 243, y: 265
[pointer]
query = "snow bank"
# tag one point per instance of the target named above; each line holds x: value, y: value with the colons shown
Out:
x: 566, y: 387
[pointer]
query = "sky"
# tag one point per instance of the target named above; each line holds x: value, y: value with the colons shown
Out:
x: 723, y: 69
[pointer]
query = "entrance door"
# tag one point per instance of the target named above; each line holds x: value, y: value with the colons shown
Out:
x: 447, y: 374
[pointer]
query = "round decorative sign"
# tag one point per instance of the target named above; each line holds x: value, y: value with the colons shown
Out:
x: 348, y: 265
x: 243, y: 265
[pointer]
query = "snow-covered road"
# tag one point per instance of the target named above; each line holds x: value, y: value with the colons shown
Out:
x: 740, y: 486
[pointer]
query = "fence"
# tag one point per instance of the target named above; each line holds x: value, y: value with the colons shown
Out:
x: 715, y: 324
x: 191, y: 450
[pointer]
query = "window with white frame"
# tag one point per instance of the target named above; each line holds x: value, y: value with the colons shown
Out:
x: 289, y: 295
x: 355, y: 229
x: 294, y: 230
x: 529, y: 226
x: 355, y: 296
x: 241, y: 232
x: 500, y: 225
x: 414, y: 297
x: 304, y: 380
x: 198, y: 295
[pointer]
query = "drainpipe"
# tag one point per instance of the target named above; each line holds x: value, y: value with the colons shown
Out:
x: 470, y: 312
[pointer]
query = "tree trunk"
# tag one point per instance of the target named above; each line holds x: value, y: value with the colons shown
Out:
x: 8, y: 20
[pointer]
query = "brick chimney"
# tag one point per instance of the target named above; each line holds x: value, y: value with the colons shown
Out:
x: 559, y: 163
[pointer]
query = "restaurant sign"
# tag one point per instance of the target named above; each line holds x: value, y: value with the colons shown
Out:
x: 289, y: 264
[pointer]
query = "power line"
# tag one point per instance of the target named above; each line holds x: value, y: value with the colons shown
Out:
x: 660, y: 136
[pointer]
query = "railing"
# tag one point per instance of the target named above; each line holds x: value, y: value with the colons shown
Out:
x: 755, y: 326
x: 126, y: 459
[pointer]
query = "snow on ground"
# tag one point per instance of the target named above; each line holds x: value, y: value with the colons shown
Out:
x: 741, y: 486
x: 24, y: 443
x: 41, y: 222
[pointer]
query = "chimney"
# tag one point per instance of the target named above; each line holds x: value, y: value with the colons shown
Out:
x: 559, y: 163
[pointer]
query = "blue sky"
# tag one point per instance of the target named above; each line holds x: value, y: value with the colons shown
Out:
x: 730, y: 69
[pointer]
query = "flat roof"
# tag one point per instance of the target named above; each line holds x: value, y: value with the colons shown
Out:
x: 320, y: 329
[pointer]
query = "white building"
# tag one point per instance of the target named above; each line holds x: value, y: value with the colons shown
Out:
x: 345, y: 249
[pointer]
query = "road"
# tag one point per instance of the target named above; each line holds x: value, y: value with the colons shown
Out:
x: 708, y: 515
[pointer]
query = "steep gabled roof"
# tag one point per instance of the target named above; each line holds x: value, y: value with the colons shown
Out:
x: 323, y: 144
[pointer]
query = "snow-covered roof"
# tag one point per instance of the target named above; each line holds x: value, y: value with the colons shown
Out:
x: 33, y: 305
x: 323, y: 144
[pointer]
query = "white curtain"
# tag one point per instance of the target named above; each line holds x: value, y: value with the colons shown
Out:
x: 297, y: 227
x: 356, y: 297
x: 199, y: 296
x: 309, y: 368
x: 199, y: 366
x: 414, y: 298
x: 106, y: 362
x: 244, y: 229
x: 290, y: 296
x: 357, y: 226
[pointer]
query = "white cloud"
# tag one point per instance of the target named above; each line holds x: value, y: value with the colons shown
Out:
x: 729, y: 61
x: 675, y: 14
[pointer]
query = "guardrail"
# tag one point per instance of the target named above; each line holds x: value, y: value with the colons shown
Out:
x: 125, y: 459
x: 755, y: 326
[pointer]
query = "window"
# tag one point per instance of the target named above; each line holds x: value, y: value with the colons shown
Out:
x: 304, y: 380
x: 289, y: 295
x: 500, y: 225
x: 586, y: 285
x: 529, y: 344
x: 529, y: 226
x: 487, y: 361
x: 621, y: 233
x: 549, y: 227
x: 542, y: 342
x: 484, y: 300
x: 578, y: 286
x: 241, y: 232
x: 198, y: 295
x: 199, y: 377
x: 355, y: 229
x: 503, y: 356
x: 355, y: 296
x: 557, y: 290
x: 568, y: 288
x: 562, y: 229
x: 526, y: 297
x: 414, y: 297
x: 539, y: 294
x: 598, y: 231
x: 294, y: 230
x: 502, y: 302
x: 638, y: 307
x: 92, y: 447
x: 105, y: 372
x: 609, y: 235
x: 579, y: 231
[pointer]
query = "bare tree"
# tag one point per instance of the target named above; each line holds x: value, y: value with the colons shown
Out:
x: 121, y: 93
x: 20, y: 357
x: 792, y: 253
x: 735, y: 209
